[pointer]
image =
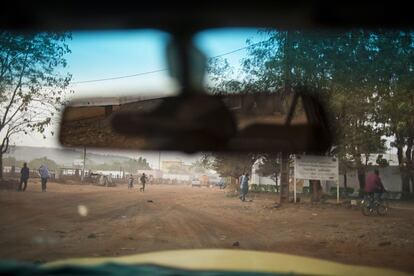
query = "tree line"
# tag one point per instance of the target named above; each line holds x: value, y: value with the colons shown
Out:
x: 364, y: 77
x: 131, y: 165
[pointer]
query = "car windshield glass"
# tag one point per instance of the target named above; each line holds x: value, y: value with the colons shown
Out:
x: 352, y: 204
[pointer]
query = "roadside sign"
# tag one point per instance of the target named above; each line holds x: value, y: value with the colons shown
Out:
x: 314, y: 167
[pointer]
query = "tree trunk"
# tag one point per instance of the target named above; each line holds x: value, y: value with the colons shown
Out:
x: 361, y: 180
x: 284, y: 179
x: 412, y: 173
x: 316, y: 190
x: 412, y: 185
x: 405, y: 172
x: 234, y: 183
x: 409, y: 166
x: 405, y: 180
x: 400, y: 156
x: 1, y: 165
x: 276, y: 180
x: 345, y: 185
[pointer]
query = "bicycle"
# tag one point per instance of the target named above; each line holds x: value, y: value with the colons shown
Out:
x: 374, y: 204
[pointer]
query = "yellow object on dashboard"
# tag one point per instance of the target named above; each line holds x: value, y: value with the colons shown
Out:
x: 233, y: 260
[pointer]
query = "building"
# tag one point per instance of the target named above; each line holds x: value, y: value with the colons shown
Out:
x: 77, y: 163
x: 175, y: 166
x: 113, y: 174
x: 176, y: 177
x: 154, y: 174
x: 168, y: 165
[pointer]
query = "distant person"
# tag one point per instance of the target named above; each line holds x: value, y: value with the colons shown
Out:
x: 221, y: 183
x: 130, y: 182
x: 244, y: 186
x: 373, y: 184
x: 24, y: 177
x: 109, y: 180
x: 143, y: 179
x: 44, y: 176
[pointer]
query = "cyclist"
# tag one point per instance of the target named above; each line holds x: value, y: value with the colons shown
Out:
x: 373, y: 185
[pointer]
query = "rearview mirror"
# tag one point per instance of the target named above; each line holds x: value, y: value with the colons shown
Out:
x: 234, y: 122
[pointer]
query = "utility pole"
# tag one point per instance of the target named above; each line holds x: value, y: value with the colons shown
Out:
x: 159, y: 160
x: 84, y: 165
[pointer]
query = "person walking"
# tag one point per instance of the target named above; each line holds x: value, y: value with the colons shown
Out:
x: 222, y: 184
x: 244, y: 186
x: 130, y: 182
x: 24, y: 177
x: 44, y: 175
x: 143, y: 181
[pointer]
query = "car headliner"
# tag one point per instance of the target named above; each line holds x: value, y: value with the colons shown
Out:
x: 184, y: 15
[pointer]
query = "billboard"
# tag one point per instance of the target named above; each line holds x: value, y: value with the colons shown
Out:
x: 315, y: 167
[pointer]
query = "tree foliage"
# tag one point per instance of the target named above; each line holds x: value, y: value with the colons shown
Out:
x: 131, y: 165
x: 365, y: 78
x: 11, y: 161
x: 198, y: 167
x: 32, y: 82
x: 270, y: 166
x: 230, y: 164
x: 395, y: 96
x: 36, y: 163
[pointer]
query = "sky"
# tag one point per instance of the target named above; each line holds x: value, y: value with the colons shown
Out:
x: 103, y: 55
x: 111, y: 54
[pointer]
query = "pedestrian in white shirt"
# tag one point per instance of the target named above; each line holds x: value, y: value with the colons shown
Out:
x: 44, y: 176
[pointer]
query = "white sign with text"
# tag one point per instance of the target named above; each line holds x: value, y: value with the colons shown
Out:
x: 314, y: 167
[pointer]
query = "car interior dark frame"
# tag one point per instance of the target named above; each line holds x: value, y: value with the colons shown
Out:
x: 203, y: 130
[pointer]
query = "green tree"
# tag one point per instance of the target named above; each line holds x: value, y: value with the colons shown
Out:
x: 31, y: 82
x: 131, y: 165
x: 339, y: 65
x: 36, y: 163
x: 395, y: 97
x: 198, y: 167
x: 270, y: 166
x: 11, y: 161
x: 351, y: 100
x: 230, y: 164
x: 142, y: 164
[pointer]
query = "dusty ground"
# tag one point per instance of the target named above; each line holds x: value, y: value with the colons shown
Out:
x: 47, y: 226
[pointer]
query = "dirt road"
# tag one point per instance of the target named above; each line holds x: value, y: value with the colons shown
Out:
x: 77, y: 221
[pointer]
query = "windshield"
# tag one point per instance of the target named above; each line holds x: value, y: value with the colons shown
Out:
x: 353, y: 204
